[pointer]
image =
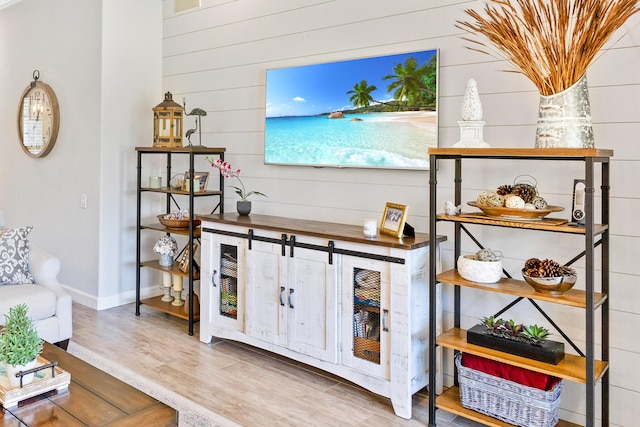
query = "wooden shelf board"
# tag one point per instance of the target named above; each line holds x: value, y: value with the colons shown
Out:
x: 181, y: 231
x: 520, y: 288
x: 527, y: 153
x: 166, y: 307
x: 321, y: 229
x: 186, y: 193
x: 173, y: 269
x: 195, y: 149
x: 450, y: 401
x: 558, y: 225
x: 572, y: 367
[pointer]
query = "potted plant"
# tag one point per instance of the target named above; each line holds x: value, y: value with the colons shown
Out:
x: 20, y: 344
x: 243, y: 206
x: 552, y: 43
x: 515, y: 338
x: 167, y: 247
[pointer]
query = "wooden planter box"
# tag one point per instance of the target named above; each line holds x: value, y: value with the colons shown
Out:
x: 549, y: 352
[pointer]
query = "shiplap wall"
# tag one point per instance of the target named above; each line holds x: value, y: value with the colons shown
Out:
x: 216, y: 56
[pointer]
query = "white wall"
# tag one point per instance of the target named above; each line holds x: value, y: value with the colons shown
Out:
x: 46, y: 192
x: 216, y: 57
x: 103, y: 60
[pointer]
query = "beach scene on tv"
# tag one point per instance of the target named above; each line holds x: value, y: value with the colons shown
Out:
x: 371, y: 112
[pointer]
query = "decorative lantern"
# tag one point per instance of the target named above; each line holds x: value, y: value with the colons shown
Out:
x: 167, y: 123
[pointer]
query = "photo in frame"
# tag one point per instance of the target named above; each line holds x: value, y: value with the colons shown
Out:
x: 201, y: 177
x: 393, y: 219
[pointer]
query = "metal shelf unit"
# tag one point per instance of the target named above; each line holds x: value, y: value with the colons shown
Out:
x: 584, y: 367
x: 193, y: 232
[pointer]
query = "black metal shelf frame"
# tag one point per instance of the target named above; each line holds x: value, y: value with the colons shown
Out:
x: 590, y: 245
x: 191, y: 152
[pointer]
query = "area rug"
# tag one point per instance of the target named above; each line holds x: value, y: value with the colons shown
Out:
x: 190, y: 414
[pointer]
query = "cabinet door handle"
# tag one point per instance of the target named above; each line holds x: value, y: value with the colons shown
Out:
x: 282, y: 289
x: 385, y: 320
x: 291, y: 291
x: 213, y: 278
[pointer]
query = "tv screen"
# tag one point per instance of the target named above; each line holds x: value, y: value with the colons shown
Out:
x: 378, y: 112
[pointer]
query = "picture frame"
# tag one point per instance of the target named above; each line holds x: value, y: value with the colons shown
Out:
x: 393, y: 219
x: 201, y: 177
x: 184, y: 263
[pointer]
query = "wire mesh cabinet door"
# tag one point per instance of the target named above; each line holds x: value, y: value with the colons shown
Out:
x: 365, y: 315
x: 222, y: 297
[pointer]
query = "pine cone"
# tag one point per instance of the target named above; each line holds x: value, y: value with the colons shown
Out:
x: 504, y: 189
x: 532, y: 263
x: 550, y: 268
x: 526, y: 191
x: 532, y: 272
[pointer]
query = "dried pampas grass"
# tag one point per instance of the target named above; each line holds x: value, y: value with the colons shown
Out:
x: 552, y: 42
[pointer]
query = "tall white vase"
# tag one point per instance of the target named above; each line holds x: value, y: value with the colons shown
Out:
x: 564, y: 118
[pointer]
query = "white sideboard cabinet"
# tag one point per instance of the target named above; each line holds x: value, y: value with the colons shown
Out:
x: 322, y: 294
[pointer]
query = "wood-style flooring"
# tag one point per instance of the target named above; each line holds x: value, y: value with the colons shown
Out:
x: 247, y: 385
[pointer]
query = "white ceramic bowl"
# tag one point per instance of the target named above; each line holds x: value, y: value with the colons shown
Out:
x: 479, y: 271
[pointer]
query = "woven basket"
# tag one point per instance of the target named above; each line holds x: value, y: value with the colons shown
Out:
x: 506, y: 400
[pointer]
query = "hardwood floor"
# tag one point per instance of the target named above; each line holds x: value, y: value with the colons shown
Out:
x: 247, y: 385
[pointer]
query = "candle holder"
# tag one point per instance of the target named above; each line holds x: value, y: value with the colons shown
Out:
x: 166, y: 285
x: 177, y: 290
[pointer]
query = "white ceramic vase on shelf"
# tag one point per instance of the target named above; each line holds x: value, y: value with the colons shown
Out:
x: 165, y: 260
x: 564, y: 118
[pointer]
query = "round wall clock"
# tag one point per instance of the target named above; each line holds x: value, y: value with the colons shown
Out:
x: 38, y: 118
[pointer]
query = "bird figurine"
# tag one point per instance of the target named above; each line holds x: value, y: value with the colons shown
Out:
x: 191, y: 132
x: 199, y: 113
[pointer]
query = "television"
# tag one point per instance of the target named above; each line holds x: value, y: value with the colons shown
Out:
x: 376, y: 112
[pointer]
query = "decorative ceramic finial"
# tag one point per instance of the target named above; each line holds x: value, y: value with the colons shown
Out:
x: 471, y: 106
x: 471, y: 125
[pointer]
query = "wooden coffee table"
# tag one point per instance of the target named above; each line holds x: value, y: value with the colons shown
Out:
x: 94, y: 398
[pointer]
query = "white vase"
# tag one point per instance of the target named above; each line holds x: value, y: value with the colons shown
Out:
x: 165, y: 260
x: 564, y: 118
x: 13, y: 370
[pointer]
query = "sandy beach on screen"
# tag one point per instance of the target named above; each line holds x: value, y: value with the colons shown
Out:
x: 423, y: 119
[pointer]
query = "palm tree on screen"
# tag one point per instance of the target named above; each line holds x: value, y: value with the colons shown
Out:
x: 361, y: 94
x: 409, y: 81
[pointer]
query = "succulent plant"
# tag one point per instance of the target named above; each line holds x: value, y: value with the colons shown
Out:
x: 535, y: 333
x: 491, y: 322
x: 509, y: 329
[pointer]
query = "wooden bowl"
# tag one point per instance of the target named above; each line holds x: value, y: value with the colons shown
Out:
x: 554, y: 286
x: 506, y: 213
x: 177, y: 223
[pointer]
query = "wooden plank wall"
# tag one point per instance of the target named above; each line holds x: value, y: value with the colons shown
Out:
x: 215, y: 57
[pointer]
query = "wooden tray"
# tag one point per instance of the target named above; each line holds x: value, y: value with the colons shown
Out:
x: 514, y: 213
x: 48, y: 379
